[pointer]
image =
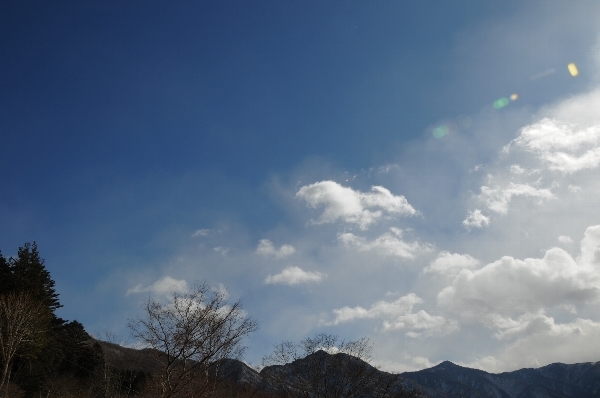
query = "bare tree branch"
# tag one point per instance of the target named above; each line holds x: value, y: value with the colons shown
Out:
x: 24, y: 322
x: 191, y: 335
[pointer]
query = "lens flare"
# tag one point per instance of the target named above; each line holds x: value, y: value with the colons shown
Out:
x: 514, y: 97
x: 573, y: 69
x: 500, y: 103
x: 440, y: 131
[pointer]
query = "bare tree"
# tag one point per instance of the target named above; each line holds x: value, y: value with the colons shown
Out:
x: 191, y: 335
x: 325, y: 366
x: 24, y: 322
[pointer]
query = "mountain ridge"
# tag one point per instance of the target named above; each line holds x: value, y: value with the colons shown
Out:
x: 444, y: 380
x: 557, y: 380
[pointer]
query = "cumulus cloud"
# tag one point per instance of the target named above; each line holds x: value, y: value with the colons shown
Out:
x: 538, y: 340
x: 266, y: 248
x: 563, y: 148
x: 450, y: 264
x: 164, y: 286
x: 476, y: 219
x: 510, y: 285
x: 497, y: 199
x: 388, y: 244
x: 354, y: 207
x: 396, y: 315
x: 294, y: 276
x: 566, y: 240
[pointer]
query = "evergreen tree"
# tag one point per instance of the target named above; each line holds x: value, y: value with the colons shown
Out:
x: 30, y: 275
x: 67, y: 350
x: 6, y: 276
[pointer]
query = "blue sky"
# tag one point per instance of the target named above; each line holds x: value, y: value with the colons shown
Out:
x: 287, y: 152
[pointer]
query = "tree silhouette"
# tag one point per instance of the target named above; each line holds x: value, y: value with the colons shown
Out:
x: 325, y: 366
x: 191, y: 335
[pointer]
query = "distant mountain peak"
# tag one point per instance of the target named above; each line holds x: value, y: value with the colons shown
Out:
x: 558, y: 380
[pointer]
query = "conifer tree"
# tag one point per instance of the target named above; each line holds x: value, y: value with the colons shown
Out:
x: 30, y: 275
x: 66, y: 350
x: 6, y: 276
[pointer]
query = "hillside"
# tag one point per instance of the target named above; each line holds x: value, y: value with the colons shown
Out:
x: 445, y: 380
x: 557, y: 380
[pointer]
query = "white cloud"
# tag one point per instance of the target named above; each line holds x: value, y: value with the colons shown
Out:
x: 201, y: 232
x: 381, y: 309
x: 353, y: 207
x: 538, y: 340
x: 407, y: 363
x: 565, y: 240
x: 476, y: 219
x: 266, y: 248
x: 295, y: 275
x: 396, y: 315
x: 388, y: 244
x: 387, y: 168
x: 563, y: 148
x: 516, y: 169
x: 525, y: 325
x: 163, y: 286
x: 450, y: 264
x: 509, y: 285
x: 497, y: 199
x: 221, y: 290
x: 222, y: 250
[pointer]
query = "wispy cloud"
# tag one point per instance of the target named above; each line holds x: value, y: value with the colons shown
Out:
x: 497, y: 199
x: 266, y: 248
x: 450, y: 264
x: 476, y: 219
x: 395, y: 315
x: 294, y: 276
x: 388, y: 244
x: 222, y: 250
x: 201, y: 232
x: 164, y: 286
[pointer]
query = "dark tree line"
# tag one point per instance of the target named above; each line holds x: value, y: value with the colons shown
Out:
x: 52, y: 357
x: 43, y: 355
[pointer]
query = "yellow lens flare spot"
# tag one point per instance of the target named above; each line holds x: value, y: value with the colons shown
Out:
x: 573, y: 69
x: 514, y: 97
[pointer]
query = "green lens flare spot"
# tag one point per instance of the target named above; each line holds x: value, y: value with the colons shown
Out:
x: 440, y: 131
x: 500, y: 103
